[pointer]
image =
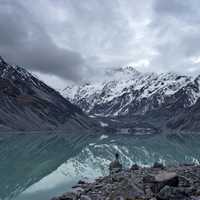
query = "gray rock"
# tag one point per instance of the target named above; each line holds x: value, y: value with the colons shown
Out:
x: 127, y: 191
x: 149, y: 179
x: 158, y: 165
x: 195, y: 198
x: 172, y: 193
x: 85, y: 197
x: 175, y: 183
x: 69, y: 196
x: 184, y: 182
x: 135, y: 167
x: 165, y: 179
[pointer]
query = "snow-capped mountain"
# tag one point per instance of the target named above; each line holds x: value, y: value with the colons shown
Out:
x: 128, y: 93
x: 27, y: 103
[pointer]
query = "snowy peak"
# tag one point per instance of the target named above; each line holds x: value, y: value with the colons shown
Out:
x: 132, y: 101
x: 13, y: 72
x: 121, y: 72
x: 110, y: 80
x: 127, y: 91
x: 70, y: 91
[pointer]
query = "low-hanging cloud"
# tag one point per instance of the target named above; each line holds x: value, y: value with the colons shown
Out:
x: 25, y: 42
x: 76, y: 39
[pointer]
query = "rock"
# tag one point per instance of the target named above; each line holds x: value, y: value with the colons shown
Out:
x: 68, y: 196
x: 173, y: 183
x: 94, y: 196
x: 198, y: 192
x: 98, y: 186
x: 81, y: 182
x: 85, y: 197
x: 195, y: 198
x: 117, y: 178
x: 116, y: 198
x: 165, y: 179
x: 127, y: 191
x: 76, y: 186
x: 172, y: 193
x: 149, y: 179
x: 148, y: 192
x: 168, y: 177
x: 78, y: 191
x: 158, y: 165
x: 184, y: 182
x: 135, y: 167
x: 162, y: 179
x: 189, y: 190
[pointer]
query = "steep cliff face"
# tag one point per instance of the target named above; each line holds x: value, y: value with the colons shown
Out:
x: 28, y: 104
x: 133, y: 96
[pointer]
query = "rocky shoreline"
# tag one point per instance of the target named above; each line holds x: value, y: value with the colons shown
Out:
x: 155, y: 183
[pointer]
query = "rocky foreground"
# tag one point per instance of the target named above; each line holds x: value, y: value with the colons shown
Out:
x: 155, y: 183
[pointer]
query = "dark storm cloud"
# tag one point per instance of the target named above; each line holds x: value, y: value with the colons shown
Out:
x: 24, y: 41
x: 74, y: 39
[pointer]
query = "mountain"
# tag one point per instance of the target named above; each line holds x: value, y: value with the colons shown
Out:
x: 141, y: 102
x: 27, y: 104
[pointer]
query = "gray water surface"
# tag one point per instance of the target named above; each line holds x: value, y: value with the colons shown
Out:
x: 42, y: 165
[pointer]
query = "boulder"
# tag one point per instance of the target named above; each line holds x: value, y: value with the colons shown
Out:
x: 165, y: 179
x: 85, y: 197
x: 135, y: 167
x: 80, y: 182
x: 184, y: 182
x: 158, y: 165
x: 195, y: 198
x: 149, y: 179
x: 157, y: 182
x: 68, y: 196
x: 127, y: 191
x: 172, y: 193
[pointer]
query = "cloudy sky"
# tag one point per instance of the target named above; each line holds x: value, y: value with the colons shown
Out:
x: 61, y: 40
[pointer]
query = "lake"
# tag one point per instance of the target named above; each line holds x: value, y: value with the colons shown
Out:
x: 43, y: 165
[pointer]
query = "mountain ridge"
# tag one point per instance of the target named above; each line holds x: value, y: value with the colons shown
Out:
x: 28, y: 104
x: 131, y: 94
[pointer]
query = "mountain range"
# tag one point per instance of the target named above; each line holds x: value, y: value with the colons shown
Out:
x: 127, y: 100
x: 27, y: 104
x: 123, y: 101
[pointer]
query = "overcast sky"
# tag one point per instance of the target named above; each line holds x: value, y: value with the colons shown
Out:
x: 73, y: 40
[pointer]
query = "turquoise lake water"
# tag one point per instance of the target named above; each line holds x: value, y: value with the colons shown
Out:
x: 43, y: 165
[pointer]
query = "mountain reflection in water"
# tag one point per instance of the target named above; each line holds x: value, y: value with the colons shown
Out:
x: 42, y: 165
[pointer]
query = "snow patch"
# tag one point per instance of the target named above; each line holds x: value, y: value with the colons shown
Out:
x: 103, y: 124
x: 103, y: 137
x: 122, y: 87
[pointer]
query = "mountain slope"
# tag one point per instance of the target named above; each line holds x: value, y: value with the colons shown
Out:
x: 26, y: 103
x: 139, y: 100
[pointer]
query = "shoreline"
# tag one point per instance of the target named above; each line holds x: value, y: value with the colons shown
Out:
x: 144, y: 183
